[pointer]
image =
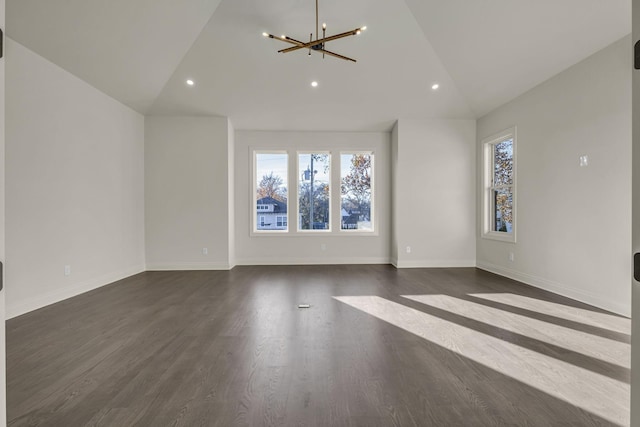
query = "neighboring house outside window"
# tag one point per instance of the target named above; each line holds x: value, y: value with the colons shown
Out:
x: 272, y: 214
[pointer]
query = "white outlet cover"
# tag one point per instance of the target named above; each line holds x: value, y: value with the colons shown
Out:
x: 584, y: 161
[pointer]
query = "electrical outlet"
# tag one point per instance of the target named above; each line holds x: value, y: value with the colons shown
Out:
x: 584, y: 161
x: 323, y: 247
x: 205, y: 251
x: 511, y: 257
x: 67, y: 270
x: 408, y: 249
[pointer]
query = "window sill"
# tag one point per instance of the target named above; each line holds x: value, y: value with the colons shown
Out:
x: 500, y: 237
x: 310, y: 233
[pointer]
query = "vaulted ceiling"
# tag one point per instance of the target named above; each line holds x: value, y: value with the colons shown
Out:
x: 482, y: 53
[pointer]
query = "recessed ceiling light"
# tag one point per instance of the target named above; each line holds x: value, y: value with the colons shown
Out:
x: 435, y: 86
x: 314, y: 84
x: 190, y: 82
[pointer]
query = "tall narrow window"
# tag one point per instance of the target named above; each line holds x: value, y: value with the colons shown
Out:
x: 314, y: 170
x: 270, y: 211
x: 356, y: 201
x: 499, y: 181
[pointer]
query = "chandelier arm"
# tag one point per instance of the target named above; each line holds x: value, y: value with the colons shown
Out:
x: 321, y: 41
x: 346, y: 58
x: 293, y: 41
x: 286, y: 39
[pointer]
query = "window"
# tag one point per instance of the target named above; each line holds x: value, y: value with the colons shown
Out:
x: 308, y: 178
x: 314, y: 195
x: 271, y: 206
x: 499, y: 186
x: 356, y: 172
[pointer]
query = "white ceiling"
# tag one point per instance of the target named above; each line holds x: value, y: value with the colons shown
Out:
x: 496, y: 50
x: 126, y: 48
x: 482, y: 52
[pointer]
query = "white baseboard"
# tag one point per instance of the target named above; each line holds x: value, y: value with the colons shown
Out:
x: 558, y: 288
x: 311, y: 261
x: 436, y: 263
x: 44, y: 299
x: 182, y: 266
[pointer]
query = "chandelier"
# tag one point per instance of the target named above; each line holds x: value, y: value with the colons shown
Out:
x: 317, y: 45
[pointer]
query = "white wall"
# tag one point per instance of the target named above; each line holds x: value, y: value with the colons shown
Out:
x: 295, y: 248
x: 635, y: 317
x: 186, y: 192
x: 3, y: 394
x: 572, y: 223
x: 74, y: 185
x: 434, y: 193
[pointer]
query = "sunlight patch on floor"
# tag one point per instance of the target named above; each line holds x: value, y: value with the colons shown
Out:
x: 605, y: 349
x: 588, y: 317
x: 595, y: 393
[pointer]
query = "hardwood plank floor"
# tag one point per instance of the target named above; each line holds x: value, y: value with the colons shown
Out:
x: 377, y: 347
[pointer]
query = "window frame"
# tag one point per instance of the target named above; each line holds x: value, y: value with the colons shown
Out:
x: 293, y: 180
x: 372, y: 211
x: 488, y: 208
x: 299, y: 180
x: 254, y: 231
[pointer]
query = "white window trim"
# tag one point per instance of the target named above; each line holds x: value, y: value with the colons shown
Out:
x: 334, y: 197
x: 373, y: 203
x: 487, y: 181
x: 253, y: 227
x: 331, y: 192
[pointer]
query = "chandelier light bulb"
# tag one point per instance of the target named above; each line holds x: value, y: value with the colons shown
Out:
x: 265, y: 34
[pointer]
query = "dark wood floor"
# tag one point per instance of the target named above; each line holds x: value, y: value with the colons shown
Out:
x: 232, y: 348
